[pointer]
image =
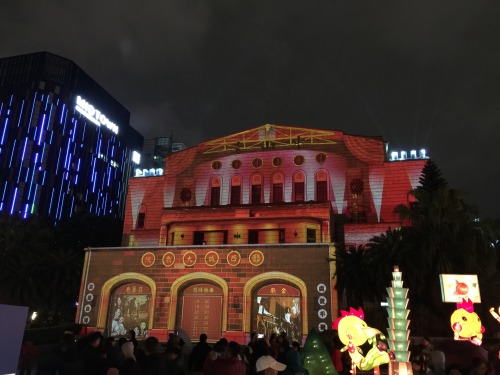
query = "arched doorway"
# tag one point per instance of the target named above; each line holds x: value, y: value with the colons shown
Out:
x: 130, y: 306
x: 201, y: 310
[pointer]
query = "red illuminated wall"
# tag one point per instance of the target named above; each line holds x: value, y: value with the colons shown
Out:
x: 362, y: 188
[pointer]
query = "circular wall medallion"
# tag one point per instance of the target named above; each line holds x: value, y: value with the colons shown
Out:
x: 322, y: 300
x: 148, y: 259
x: 257, y: 163
x: 322, y: 314
x: 189, y: 259
x: 256, y: 258
x: 86, y: 320
x: 322, y: 327
x: 91, y: 287
x: 236, y: 164
x: 298, y: 160
x: 87, y: 308
x: 277, y: 161
x: 233, y: 258
x: 216, y: 165
x: 168, y: 259
x: 211, y: 258
x: 321, y: 288
x: 321, y: 157
x: 89, y: 297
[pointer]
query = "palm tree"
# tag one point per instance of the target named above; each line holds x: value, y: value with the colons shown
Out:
x: 354, y: 284
x: 383, y: 252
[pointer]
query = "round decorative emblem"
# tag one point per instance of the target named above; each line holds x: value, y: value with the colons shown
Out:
x: 322, y: 300
x: 257, y: 163
x: 299, y: 160
x: 233, y: 258
x: 236, y: 164
x: 256, y: 258
x: 91, y: 286
x: 321, y: 157
x: 211, y: 258
x: 216, y: 165
x: 168, y: 259
x: 189, y: 259
x: 321, y: 288
x: 87, y: 308
x: 277, y: 161
x: 148, y: 259
x: 322, y: 327
x: 89, y: 297
x: 86, y: 320
x: 322, y: 314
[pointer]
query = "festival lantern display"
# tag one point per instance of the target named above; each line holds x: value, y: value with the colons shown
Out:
x: 494, y: 314
x: 315, y: 357
x: 399, y: 334
x: 466, y: 324
x: 354, y: 332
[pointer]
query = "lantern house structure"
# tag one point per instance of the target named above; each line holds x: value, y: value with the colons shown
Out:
x: 237, y: 235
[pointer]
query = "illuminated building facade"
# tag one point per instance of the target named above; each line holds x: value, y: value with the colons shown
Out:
x: 238, y: 234
x: 65, y: 143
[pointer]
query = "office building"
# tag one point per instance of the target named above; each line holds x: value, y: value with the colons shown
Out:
x: 66, y: 144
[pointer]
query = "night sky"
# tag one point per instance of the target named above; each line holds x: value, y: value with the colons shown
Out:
x: 420, y: 73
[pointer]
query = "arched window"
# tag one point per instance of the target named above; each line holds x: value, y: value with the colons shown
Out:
x: 236, y: 190
x: 215, y: 191
x: 321, y: 186
x: 277, y: 192
x: 299, y: 187
x: 256, y: 189
x: 141, y: 216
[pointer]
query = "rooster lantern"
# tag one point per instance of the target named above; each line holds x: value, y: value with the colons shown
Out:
x: 466, y: 324
x: 354, y: 332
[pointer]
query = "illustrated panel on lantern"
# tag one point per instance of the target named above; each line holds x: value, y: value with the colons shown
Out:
x: 202, y: 311
x: 277, y: 309
x: 129, y: 310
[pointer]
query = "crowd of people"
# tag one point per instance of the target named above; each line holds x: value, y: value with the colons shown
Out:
x: 94, y: 354
x: 427, y: 360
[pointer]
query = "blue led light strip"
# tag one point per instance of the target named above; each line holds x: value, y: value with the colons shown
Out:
x: 12, y: 153
x: 51, y: 200
x: 20, y: 115
x: 63, y: 111
x: 13, y: 201
x: 4, y: 130
x: 41, y: 130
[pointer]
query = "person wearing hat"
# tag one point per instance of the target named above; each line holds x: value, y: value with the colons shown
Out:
x: 267, y: 365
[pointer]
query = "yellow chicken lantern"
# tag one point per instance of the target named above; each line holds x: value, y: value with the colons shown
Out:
x: 466, y: 324
x: 354, y: 332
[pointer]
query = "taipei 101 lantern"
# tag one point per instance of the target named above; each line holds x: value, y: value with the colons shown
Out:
x: 399, y: 334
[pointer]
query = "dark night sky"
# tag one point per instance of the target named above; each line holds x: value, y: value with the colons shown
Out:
x: 420, y: 73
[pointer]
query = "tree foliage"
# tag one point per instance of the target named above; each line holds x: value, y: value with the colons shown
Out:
x: 41, y: 265
x: 443, y: 238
